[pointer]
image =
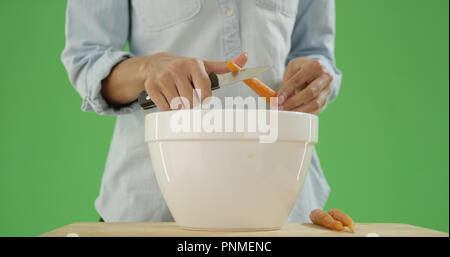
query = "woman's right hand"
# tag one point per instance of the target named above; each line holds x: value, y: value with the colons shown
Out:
x: 165, y: 77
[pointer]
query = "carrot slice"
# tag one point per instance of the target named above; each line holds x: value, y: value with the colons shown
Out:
x: 233, y: 66
x: 343, y: 218
x: 255, y: 84
x: 322, y: 218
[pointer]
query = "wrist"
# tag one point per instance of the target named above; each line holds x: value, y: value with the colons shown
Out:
x: 144, y: 64
x: 125, y: 81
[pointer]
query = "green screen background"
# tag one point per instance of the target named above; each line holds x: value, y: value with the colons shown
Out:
x: 383, y: 142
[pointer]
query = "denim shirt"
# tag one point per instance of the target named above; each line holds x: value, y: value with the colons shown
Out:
x: 271, y: 31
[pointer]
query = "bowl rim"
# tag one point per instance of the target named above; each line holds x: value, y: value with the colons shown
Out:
x: 306, y: 124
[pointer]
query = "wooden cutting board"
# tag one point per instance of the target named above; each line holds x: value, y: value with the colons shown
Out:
x: 170, y: 229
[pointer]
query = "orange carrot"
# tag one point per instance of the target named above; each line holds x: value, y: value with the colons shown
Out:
x: 255, y: 84
x: 343, y: 218
x: 322, y: 218
x: 233, y: 66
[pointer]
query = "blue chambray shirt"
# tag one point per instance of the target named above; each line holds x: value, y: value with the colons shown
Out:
x: 271, y: 31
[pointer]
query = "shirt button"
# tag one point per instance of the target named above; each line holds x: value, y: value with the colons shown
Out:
x: 229, y: 12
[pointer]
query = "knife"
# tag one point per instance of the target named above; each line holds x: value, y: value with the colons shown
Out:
x: 217, y: 81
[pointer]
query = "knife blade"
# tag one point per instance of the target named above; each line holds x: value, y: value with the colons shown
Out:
x: 243, y: 74
x: 217, y: 81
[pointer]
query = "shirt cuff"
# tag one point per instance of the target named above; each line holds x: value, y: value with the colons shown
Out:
x: 94, y: 101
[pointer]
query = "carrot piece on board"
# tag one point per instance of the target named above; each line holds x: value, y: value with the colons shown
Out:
x: 343, y: 218
x: 320, y: 217
x: 255, y: 84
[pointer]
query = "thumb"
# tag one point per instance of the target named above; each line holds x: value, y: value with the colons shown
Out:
x: 221, y: 67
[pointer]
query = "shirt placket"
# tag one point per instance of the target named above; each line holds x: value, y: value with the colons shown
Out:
x: 231, y: 36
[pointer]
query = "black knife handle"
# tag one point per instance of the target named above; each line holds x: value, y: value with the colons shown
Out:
x: 214, y: 81
x: 146, y: 103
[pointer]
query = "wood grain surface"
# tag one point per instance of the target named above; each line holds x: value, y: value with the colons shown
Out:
x: 170, y: 229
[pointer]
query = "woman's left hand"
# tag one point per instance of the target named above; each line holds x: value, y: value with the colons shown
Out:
x: 306, y: 86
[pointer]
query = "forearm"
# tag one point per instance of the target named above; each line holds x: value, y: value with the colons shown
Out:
x: 125, y: 81
x: 164, y: 76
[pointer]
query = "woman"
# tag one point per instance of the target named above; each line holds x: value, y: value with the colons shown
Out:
x: 169, y: 42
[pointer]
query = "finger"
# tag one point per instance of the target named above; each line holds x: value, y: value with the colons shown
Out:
x: 221, y: 67
x: 315, y: 106
x: 300, y: 79
x: 168, y: 88
x: 201, y: 80
x: 308, y: 93
x: 290, y: 70
x: 156, y: 96
x: 241, y: 59
x: 186, y: 90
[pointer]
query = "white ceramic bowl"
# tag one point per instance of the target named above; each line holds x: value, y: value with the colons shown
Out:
x: 230, y: 181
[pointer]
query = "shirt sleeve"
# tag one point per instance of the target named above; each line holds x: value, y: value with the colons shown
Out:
x: 313, y: 37
x: 96, y: 34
